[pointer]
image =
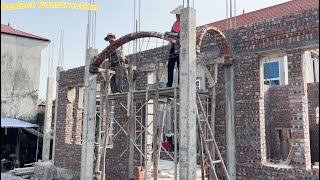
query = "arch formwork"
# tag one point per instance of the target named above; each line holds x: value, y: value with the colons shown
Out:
x: 225, y: 53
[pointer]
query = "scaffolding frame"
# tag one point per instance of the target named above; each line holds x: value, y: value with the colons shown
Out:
x: 152, y: 146
x: 140, y: 119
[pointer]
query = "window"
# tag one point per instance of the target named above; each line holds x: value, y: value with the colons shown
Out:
x: 271, y: 73
x: 198, y: 83
x: 275, y: 71
x: 80, y: 101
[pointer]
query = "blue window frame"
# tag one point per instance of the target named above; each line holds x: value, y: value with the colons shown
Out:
x: 271, y: 73
x: 271, y: 70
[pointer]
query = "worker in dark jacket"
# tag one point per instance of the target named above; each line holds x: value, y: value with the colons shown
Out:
x: 116, y: 62
x: 174, y: 51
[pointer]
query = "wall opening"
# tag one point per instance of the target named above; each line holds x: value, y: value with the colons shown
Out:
x: 275, y: 93
x: 71, y: 96
x: 312, y: 65
x: 285, y: 142
x: 79, y: 115
x: 311, y: 60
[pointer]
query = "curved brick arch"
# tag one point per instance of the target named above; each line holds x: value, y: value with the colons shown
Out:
x: 123, y: 40
x: 220, y: 39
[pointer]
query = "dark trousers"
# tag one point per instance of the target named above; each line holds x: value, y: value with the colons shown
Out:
x: 173, y: 59
x: 115, y: 82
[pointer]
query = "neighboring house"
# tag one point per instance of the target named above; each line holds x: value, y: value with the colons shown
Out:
x: 20, y: 72
x: 275, y: 80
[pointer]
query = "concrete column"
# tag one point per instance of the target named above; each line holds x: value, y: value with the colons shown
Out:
x: 87, y: 152
x: 230, y: 124
x: 59, y: 69
x: 188, y: 107
x: 47, y: 122
x: 305, y: 115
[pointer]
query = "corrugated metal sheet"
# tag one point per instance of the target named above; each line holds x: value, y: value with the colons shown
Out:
x: 33, y: 131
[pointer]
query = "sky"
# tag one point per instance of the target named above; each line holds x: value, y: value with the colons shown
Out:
x: 115, y: 16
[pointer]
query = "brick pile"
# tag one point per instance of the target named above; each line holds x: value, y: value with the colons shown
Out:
x: 138, y: 173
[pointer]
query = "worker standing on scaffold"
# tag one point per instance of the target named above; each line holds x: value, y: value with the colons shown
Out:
x: 116, y: 63
x: 174, y: 50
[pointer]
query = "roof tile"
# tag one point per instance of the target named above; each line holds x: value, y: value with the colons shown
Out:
x: 9, y: 30
x: 272, y: 12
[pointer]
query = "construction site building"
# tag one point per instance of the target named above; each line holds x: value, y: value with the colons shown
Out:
x: 266, y: 105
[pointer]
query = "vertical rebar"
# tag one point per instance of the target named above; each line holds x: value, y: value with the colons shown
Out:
x: 92, y: 24
x: 230, y: 14
x: 235, y: 15
x: 134, y: 15
x: 95, y: 29
x: 227, y: 14
x: 62, y: 56
x: 89, y: 23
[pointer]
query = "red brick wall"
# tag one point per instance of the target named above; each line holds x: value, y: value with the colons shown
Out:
x: 247, y: 90
x: 276, y: 103
x: 277, y: 100
x: 289, y: 33
x: 67, y: 155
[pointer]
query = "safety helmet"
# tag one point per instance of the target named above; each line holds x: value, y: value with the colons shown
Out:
x: 177, y: 10
x: 108, y: 35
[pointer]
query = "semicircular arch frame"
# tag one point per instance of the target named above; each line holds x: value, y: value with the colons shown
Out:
x: 222, y: 42
x: 220, y: 38
x: 123, y: 40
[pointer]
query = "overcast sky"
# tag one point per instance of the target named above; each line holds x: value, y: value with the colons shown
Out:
x: 113, y: 16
